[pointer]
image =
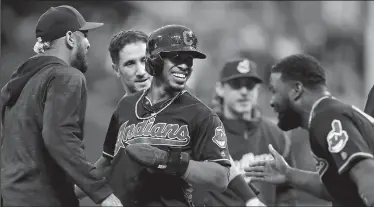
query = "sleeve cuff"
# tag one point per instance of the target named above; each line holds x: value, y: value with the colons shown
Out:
x: 224, y: 162
x: 347, y: 165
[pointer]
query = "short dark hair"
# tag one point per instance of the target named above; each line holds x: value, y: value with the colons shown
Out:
x: 301, y: 67
x: 123, y: 38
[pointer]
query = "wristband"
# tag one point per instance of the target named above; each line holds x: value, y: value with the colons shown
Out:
x: 177, y: 162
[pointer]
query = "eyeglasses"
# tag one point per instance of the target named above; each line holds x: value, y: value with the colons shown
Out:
x: 179, y: 58
x: 237, y: 84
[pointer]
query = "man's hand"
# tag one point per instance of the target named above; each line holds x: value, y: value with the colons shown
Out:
x: 254, y: 202
x: 269, y: 171
x: 111, y: 201
x: 173, y: 161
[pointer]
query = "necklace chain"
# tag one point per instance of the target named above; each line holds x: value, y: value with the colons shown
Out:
x: 157, y: 112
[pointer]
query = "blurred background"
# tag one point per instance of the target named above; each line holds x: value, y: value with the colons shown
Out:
x: 338, y: 33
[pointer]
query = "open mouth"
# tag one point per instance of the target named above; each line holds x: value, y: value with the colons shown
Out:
x: 179, y: 76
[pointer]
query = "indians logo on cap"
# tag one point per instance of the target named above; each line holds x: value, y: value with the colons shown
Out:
x: 243, y: 66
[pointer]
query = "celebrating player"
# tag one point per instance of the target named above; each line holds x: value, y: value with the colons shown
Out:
x: 248, y: 133
x: 340, y: 135
x: 43, y: 115
x: 162, y: 116
x: 127, y: 50
x: 169, y: 131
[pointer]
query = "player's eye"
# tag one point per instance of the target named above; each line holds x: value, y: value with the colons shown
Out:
x: 129, y: 63
x: 178, y: 58
x: 238, y: 84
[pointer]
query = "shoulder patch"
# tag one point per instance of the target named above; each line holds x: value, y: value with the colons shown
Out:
x: 220, y: 137
x: 337, y: 138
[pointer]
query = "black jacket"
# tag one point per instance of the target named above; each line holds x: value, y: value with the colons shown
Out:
x: 42, y: 154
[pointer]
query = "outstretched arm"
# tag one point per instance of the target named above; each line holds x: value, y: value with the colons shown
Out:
x: 278, y: 171
x: 362, y: 175
x: 307, y: 181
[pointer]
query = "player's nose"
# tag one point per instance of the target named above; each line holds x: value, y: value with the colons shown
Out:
x: 88, y: 44
x: 140, y: 69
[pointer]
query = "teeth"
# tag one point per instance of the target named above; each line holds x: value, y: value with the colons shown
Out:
x: 179, y: 75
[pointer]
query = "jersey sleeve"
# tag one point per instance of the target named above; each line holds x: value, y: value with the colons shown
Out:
x: 110, y: 141
x: 211, y: 142
x: 343, y: 141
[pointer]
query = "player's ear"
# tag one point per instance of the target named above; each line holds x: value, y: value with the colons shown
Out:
x: 219, y: 89
x: 116, y: 70
x: 297, y: 90
x: 70, y: 42
x: 115, y: 67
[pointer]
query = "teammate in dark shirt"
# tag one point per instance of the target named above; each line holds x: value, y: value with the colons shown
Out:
x: 341, y: 136
x: 170, y: 118
x: 248, y: 133
x: 43, y: 110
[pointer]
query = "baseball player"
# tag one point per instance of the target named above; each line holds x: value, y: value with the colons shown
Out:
x: 169, y: 131
x: 127, y: 50
x: 341, y: 136
x: 43, y: 108
x: 248, y: 132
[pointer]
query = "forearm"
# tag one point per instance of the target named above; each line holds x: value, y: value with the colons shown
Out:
x: 361, y: 174
x: 237, y: 184
x: 209, y: 176
x: 286, y: 196
x: 62, y: 133
x: 103, y: 166
x: 65, y: 151
x: 309, y: 182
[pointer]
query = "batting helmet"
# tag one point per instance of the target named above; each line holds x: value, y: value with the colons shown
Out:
x: 170, y: 38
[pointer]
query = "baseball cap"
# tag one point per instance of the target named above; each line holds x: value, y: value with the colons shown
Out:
x: 56, y: 21
x: 242, y: 68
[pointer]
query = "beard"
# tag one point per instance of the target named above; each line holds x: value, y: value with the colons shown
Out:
x: 80, y: 62
x: 289, y: 119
